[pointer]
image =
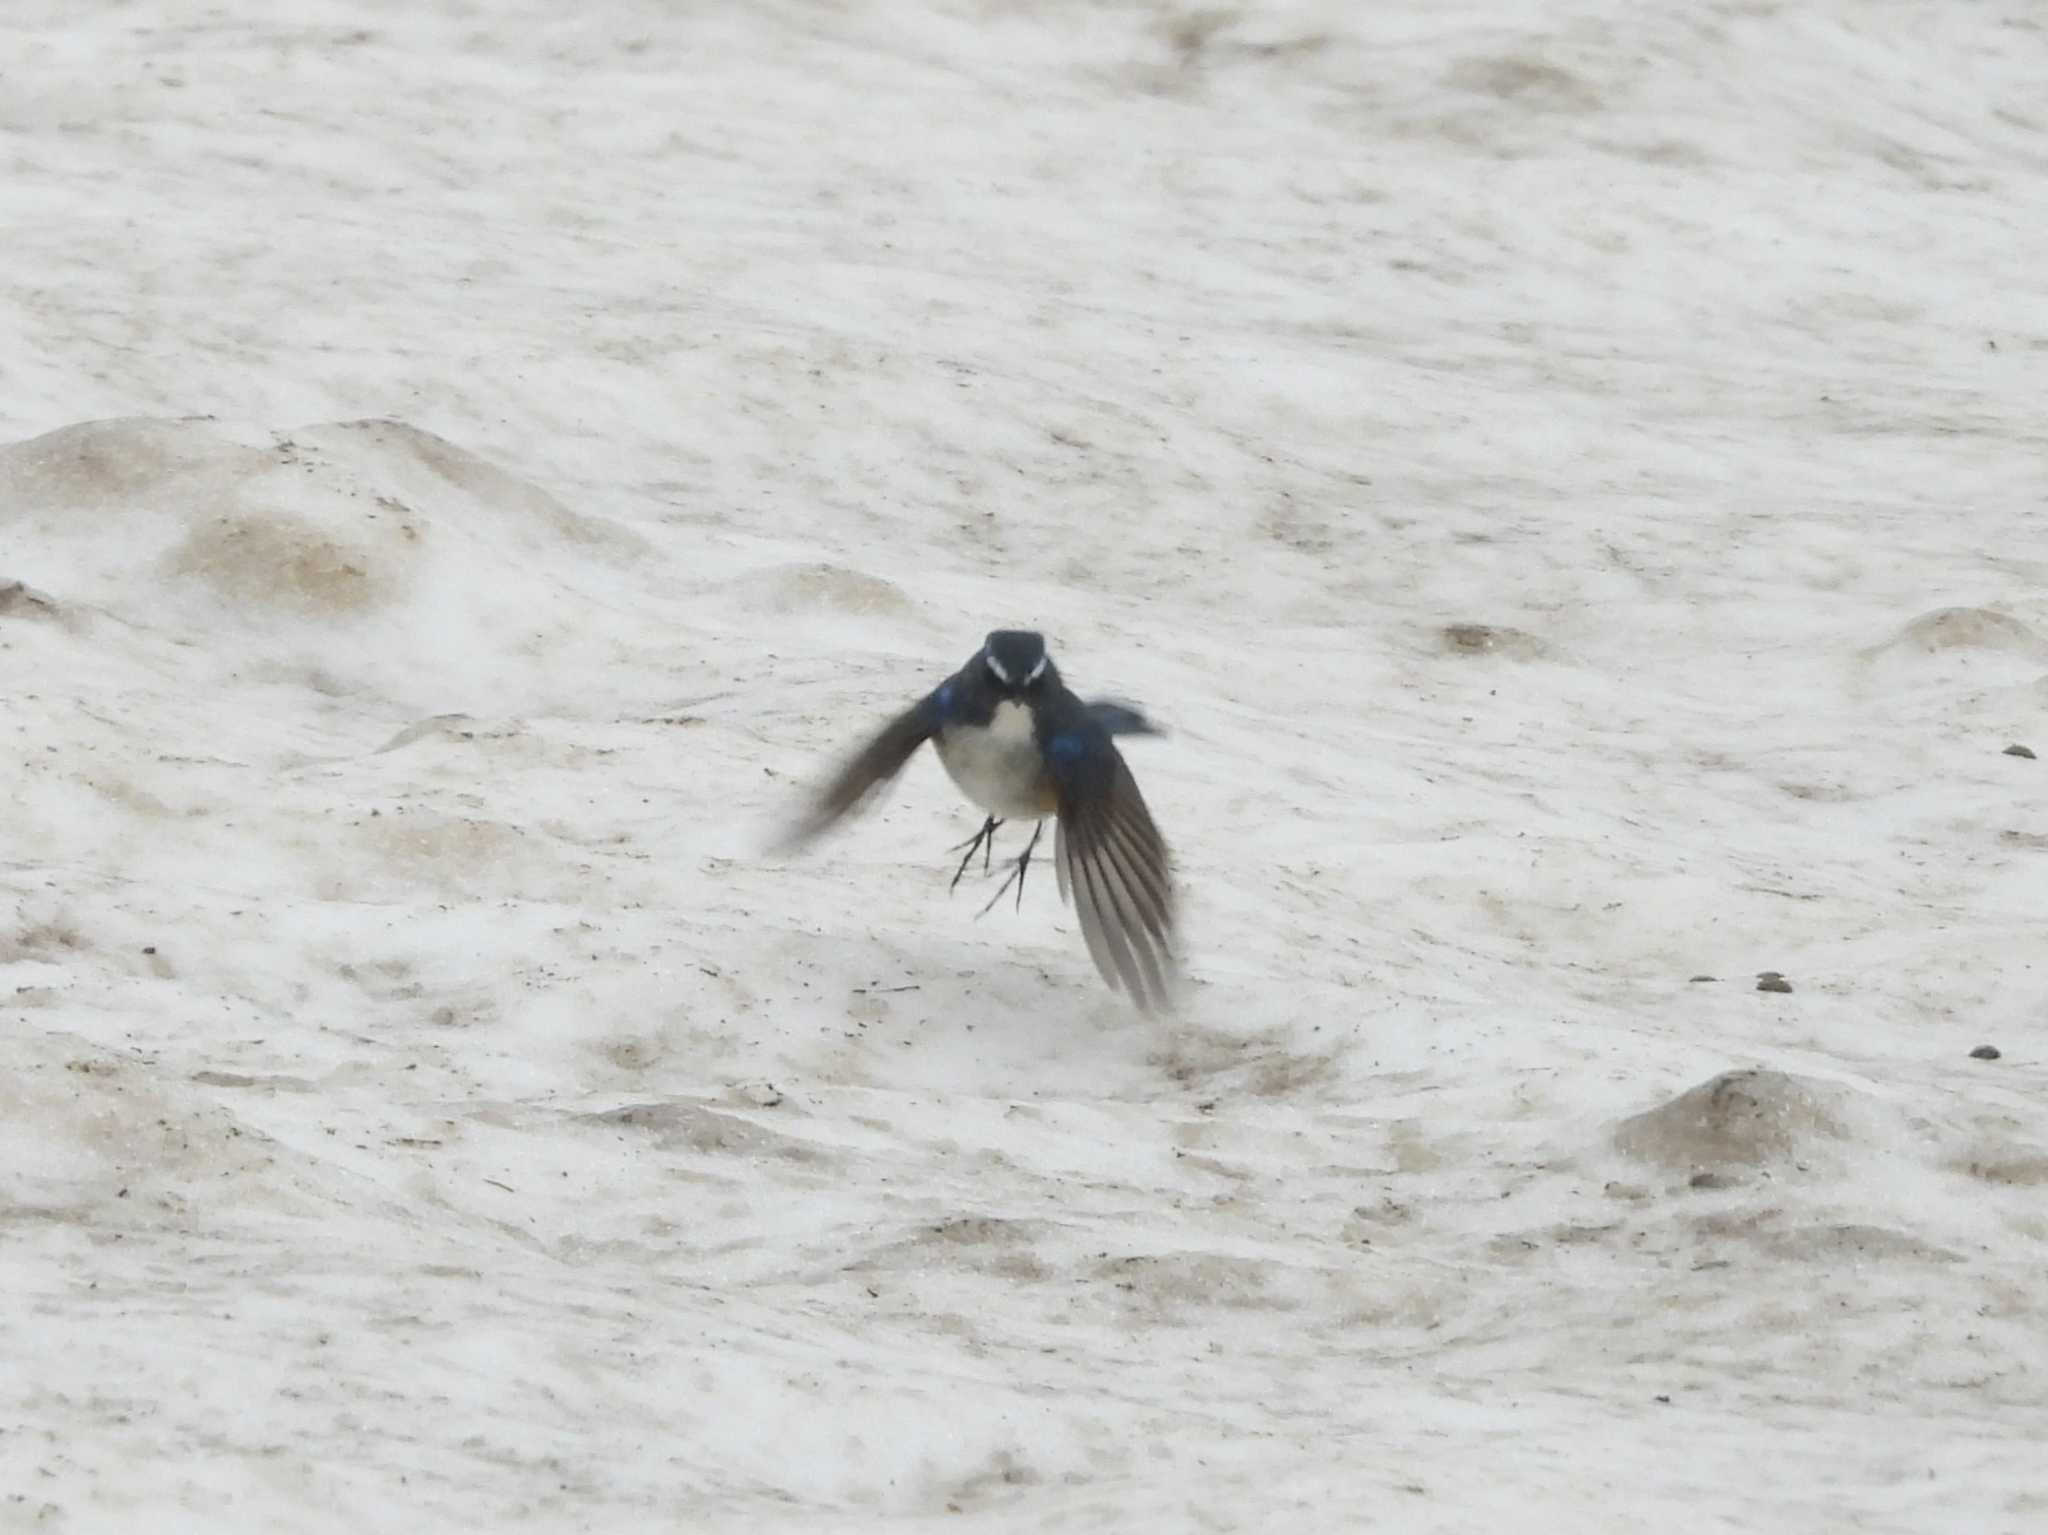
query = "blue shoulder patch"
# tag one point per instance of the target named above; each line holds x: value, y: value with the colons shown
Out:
x: 1067, y: 748
x: 944, y: 698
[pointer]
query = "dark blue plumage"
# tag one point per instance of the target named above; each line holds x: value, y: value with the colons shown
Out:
x: 1021, y: 745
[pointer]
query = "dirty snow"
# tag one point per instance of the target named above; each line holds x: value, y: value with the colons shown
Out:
x: 1569, y: 477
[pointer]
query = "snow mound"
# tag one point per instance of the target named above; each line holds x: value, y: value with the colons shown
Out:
x: 20, y: 600
x: 808, y: 588
x: 358, y: 554
x: 1968, y: 629
x: 80, y: 1128
x: 1960, y: 652
x: 1739, y: 1119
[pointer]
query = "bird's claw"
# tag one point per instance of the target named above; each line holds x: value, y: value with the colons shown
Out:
x: 985, y: 841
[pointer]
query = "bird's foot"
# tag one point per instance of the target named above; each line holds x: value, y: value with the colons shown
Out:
x: 1016, y: 874
x: 983, y: 841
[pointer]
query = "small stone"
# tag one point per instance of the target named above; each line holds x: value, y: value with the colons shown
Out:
x: 1712, y: 1180
x: 2017, y: 750
x: 1771, y: 980
x: 1698, y: 978
x: 1985, y: 1053
x: 1469, y: 636
x: 1492, y: 639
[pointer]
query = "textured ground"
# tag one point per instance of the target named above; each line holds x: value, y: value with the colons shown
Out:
x: 1568, y: 477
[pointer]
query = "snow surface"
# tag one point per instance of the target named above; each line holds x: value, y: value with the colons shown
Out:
x: 1569, y: 477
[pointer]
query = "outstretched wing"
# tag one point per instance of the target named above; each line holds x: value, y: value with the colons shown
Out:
x: 874, y: 765
x: 1113, y: 864
x: 1121, y: 719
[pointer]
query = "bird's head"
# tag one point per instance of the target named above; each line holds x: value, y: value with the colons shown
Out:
x: 1016, y: 663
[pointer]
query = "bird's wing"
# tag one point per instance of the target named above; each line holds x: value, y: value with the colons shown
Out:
x: 874, y: 765
x: 1113, y: 863
x: 1121, y: 719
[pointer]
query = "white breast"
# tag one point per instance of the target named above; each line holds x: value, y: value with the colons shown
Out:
x: 997, y: 765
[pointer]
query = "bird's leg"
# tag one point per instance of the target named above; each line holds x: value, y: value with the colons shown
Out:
x: 983, y: 839
x: 1016, y: 875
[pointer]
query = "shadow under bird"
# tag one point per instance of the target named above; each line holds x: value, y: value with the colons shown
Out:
x: 1022, y: 746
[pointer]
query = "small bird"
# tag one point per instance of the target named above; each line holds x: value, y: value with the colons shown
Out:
x: 1019, y: 744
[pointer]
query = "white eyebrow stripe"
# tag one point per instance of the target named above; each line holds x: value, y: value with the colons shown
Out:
x: 1036, y: 671
x: 997, y: 667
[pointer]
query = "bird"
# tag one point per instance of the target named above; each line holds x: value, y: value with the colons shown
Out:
x: 1021, y: 745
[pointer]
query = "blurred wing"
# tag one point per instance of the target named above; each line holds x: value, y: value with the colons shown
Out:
x: 1121, y: 719
x: 877, y: 762
x: 1113, y: 863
